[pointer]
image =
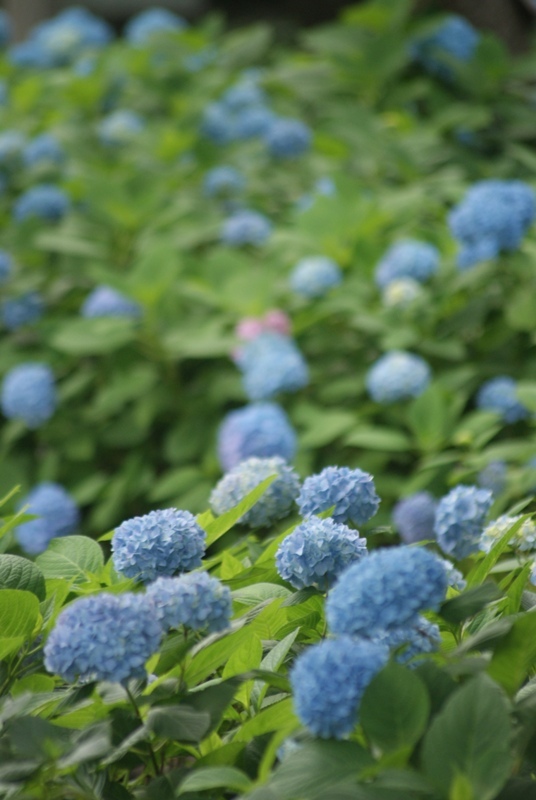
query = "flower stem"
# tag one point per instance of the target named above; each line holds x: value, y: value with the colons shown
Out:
x: 149, y: 745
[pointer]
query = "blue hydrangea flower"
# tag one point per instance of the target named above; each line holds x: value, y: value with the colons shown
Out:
x: 416, y: 640
x: 500, y: 395
x: 57, y: 515
x: 61, y: 39
x: 455, y: 578
x: 154, y: 21
x: 493, y: 217
x: 460, y: 519
x: 43, y: 151
x: 272, y: 363
x: 223, y: 181
x: 523, y: 540
x: 22, y: 310
x: 328, y: 682
x: 408, y: 258
x: 159, y: 544
x: 397, y: 375
x: 29, y: 394
x: 5, y: 28
x: 196, y: 600
x: 350, y: 491
x: 246, y: 227
x: 218, y: 124
x: 104, y: 301
x: 11, y: 146
x: 317, y: 551
x: 104, y: 637
x: 253, y: 121
x: 29, y: 54
x: 401, y: 293
x: 315, y: 276
x: 385, y: 591
x: 45, y: 201
x: 455, y: 40
x: 6, y: 266
x: 493, y: 477
x: 288, y: 138
x: 277, y: 501
x: 414, y: 517
x: 244, y: 94
x: 121, y: 127
x: 259, y: 429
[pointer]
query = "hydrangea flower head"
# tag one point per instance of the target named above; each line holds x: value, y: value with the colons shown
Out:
x: 397, y: 375
x: 258, y: 429
x: 43, y: 151
x: 408, y: 258
x: 45, y: 201
x: 385, y: 591
x: 5, y: 28
x: 22, y: 310
x: 523, y: 540
x: 244, y: 94
x: 223, y: 181
x: 499, y: 394
x: 57, y: 515
x: 29, y: 394
x: 418, y: 639
x: 105, y: 301
x: 159, y: 544
x: 460, y: 519
x: 196, y: 600
x: 29, y: 54
x: 11, y: 147
x: 277, y: 322
x: 493, y: 477
x: 455, y: 578
x: 350, y: 491
x: 105, y: 637
x: 6, y: 266
x: 272, y: 363
x: 454, y: 40
x: 401, y: 293
x: 141, y: 29
x: 218, y: 124
x: 315, y: 276
x: 317, y: 551
x: 61, y: 39
x: 328, y: 682
x: 277, y: 501
x: 246, y: 227
x: 253, y: 121
x: 288, y: 138
x: 120, y: 127
x: 414, y: 517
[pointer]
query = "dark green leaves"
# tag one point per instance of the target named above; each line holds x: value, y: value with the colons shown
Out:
x: 20, y: 573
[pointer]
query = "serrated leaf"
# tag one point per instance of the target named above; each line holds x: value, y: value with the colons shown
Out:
x: 21, y: 573
x: 71, y: 558
x: 19, y: 612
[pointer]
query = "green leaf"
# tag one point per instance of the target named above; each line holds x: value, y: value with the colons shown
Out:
x: 71, y: 558
x: 19, y: 612
x: 395, y: 708
x: 227, y: 778
x: 470, y: 738
x: 379, y: 439
x: 178, y: 723
x: 21, y: 573
x: 269, y: 719
x: 469, y: 603
x: 515, y: 654
x: 225, y: 522
x: 428, y: 417
x: 259, y: 592
x: 481, y: 570
x: 86, y: 337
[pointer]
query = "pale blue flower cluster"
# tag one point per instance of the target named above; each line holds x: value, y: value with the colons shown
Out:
x: 523, y: 540
x: 455, y: 578
x: 460, y: 519
x: 397, y: 375
x: 246, y: 227
x: 272, y: 363
x: 45, y: 201
x: 120, y: 128
x: 408, y: 258
x: 500, y: 394
x: 276, y: 502
x: 23, y: 310
x: 141, y: 29
x: 259, y: 429
x: 493, y: 477
x: 223, y: 181
x: 105, y: 301
x: 385, y: 591
x: 43, y: 151
x: 57, y: 515
x: 315, y: 276
x: 419, y: 639
x: 317, y: 552
x: 328, y: 682
x: 196, y: 600
x: 493, y: 217
x: 241, y: 113
x: 455, y: 40
x: 288, y: 138
x: 105, y: 637
x: 351, y: 493
x: 5, y: 28
x: 414, y: 517
x: 29, y: 394
x: 6, y: 266
x: 159, y: 544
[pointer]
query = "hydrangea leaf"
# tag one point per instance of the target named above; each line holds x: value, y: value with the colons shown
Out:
x: 215, y: 778
x: 21, y: 573
x: 71, y: 558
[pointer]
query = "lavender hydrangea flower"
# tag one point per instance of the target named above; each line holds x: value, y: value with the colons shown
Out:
x: 317, y: 551
x: 159, y: 544
x: 6, y: 267
x: 460, y: 519
x: 397, y: 375
x: 499, y: 395
x: 57, y: 515
x: 121, y: 127
x: 223, y: 181
x: 315, y: 276
x: 418, y: 639
x: 272, y: 363
x: 385, y: 591
x: 23, y: 310
x: 141, y: 29
x: 246, y: 227
x: 276, y: 502
x: 455, y: 40
x: 259, y: 429
x: 104, y: 301
x: 29, y: 394
x: 414, y: 517
x: 350, y: 491
x: 408, y: 258
x: 288, y: 138
x: 523, y: 540
x: 196, y: 600
x: 45, y: 201
x: 493, y: 477
x: 105, y: 637
x: 43, y: 151
x: 328, y: 682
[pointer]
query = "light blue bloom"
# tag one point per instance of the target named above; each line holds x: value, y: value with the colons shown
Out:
x: 455, y: 40
x: 58, y: 41
x: 253, y: 121
x: 397, y: 375
x: 259, y: 429
x: 328, y: 682
x: 29, y: 394
x: 244, y: 94
x: 460, y: 519
x: 523, y: 540
x: 288, y: 138
x: 6, y: 266
x: 455, y: 578
x: 104, y: 301
x: 29, y: 54
x: 246, y: 227
x: 500, y: 395
x: 120, y: 128
x: 159, y: 544
x: 401, y: 293
x: 196, y: 600
x: 218, y: 124
x: 142, y: 28
x: 45, y: 201
x: 408, y: 258
x: 493, y: 477
x: 105, y: 637
x: 317, y: 551
x: 272, y: 363
x: 350, y: 491
x: 12, y: 144
x: 223, y: 181
x: 22, y: 310
x: 276, y: 502
x: 416, y: 640
x: 57, y: 515
x: 387, y: 590
x: 414, y: 517
x: 5, y: 28
x: 43, y: 151
x: 85, y: 66
x: 315, y: 276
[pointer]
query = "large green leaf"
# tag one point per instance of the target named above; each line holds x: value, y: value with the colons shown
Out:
x: 21, y: 573
x: 19, y: 612
x: 469, y: 602
x: 227, y: 778
x: 86, y: 337
x: 71, y: 558
x: 515, y: 653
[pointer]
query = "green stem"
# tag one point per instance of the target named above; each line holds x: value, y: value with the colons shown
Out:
x: 149, y: 745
